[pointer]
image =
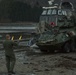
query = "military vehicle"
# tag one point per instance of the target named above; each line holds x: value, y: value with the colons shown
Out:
x: 59, y: 30
x: 61, y: 41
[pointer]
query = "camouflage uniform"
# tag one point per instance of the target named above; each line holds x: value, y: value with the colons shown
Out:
x: 9, y: 54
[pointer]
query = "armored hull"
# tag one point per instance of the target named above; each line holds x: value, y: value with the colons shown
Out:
x: 59, y: 41
x: 49, y: 47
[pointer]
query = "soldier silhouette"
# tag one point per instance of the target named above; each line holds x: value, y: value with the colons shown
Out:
x: 9, y: 54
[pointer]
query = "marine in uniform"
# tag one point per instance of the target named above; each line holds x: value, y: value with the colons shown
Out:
x: 9, y: 54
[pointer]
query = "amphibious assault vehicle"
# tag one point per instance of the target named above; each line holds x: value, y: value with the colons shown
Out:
x: 59, y: 32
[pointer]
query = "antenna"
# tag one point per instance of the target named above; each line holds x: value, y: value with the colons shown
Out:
x: 60, y: 4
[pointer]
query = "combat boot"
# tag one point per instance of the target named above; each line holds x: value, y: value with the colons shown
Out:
x: 12, y: 72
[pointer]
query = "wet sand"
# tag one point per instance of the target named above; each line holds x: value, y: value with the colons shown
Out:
x: 37, y: 63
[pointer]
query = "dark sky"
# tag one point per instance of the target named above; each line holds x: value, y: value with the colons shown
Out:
x: 45, y: 2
